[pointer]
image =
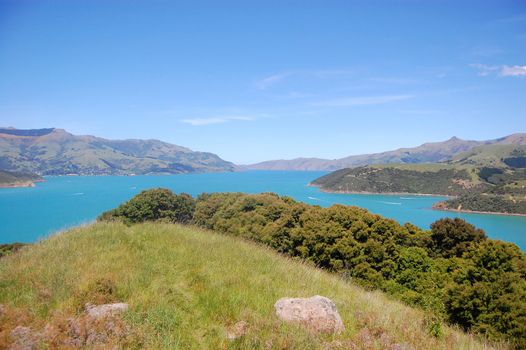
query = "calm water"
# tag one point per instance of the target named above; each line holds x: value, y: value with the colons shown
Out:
x: 28, y: 214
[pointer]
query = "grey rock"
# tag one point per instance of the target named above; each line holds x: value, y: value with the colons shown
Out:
x: 318, y: 314
x: 100, y: 311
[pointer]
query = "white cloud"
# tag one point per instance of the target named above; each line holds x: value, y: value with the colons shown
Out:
x: 362, y: 101
x: 513, y: 71
x: 214, y: 120
x: 503, y: 70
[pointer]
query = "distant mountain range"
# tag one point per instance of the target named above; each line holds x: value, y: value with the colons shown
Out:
x: 56, y: 152
x: 427, y: 153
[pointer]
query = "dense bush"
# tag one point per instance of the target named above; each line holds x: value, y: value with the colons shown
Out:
x: 454, y: 237
x: 488, y: 203
x: 152, y: 205
x: 452, y: 270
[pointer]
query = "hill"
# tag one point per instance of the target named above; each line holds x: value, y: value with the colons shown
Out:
x: 186, y: 287
x: 14, y: 179
x: 489, y: 178
x: 426, y: 153
x: 57, y: 152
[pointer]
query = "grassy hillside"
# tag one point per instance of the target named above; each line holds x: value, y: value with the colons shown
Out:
x: 57, y: 152
x: 489, y: 178
x: 14, y: 179
x: 187, y: 286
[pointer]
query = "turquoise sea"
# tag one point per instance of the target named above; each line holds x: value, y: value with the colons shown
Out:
x: 29, y: 214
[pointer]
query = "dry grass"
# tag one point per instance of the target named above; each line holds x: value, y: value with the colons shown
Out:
x: 187, y: 287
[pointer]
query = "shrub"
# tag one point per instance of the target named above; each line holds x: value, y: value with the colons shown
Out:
x: 453, y: 237
x: 152, y: 205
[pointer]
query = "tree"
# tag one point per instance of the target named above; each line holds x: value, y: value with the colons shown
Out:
x: 153, y: 205
x: 453, y: 237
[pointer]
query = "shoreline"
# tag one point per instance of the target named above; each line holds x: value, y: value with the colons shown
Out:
x: 22, y: 184
x: 383, y: 193
x: 467, y: 211
x: 434, y: 207
x: 18, y: 185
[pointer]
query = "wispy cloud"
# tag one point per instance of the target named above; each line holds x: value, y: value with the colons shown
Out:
x: 274, y: 79
x: 395, y: 81
x: 484, y: 69
x: 502, y: 70
x: 267, y: 82
x: 215, y: 120
x: 513, y: 71
x: 362, y: 101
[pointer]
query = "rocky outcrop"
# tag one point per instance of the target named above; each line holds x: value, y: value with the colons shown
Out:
x: 318, y: 314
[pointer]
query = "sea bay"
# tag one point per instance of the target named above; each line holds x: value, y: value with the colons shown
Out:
x: 30, y: 214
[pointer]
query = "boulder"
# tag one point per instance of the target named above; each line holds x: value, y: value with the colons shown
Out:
x: 318, y: 314
x: 104, y: 310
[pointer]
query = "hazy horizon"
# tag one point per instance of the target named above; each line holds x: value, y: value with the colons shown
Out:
x: 266, y: 80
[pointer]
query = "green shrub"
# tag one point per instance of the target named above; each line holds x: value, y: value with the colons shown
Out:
x: 454, y: 237
x: 154, y: 205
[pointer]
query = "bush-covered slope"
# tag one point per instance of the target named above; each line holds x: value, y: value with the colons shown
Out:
x: 186, y: 288
x: 454, y: 271
x: 393, y: 179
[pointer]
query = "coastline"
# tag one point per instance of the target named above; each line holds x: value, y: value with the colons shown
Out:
x: 440, y: 208
x: 20, y: 184
x: 435, y: 206
x: 383, y: 193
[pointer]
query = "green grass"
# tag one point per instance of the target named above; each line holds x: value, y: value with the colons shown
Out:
x: 187, y: 286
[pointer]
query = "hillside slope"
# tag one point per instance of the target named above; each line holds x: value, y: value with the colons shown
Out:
x: 13, y: 179
x: 186, y: 287
x: 57, y: 152
x: 489, y: 178
x: 426, y: 153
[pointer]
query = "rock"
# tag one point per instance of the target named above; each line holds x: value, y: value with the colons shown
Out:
x: 23, y: 339
x: 105, y: 310
x: 318, y: 314
x: 237, y: 331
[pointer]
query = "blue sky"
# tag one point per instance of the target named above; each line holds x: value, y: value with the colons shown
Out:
x: 259, y: 80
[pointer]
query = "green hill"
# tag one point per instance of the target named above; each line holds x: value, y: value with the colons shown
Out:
x: 186, y: 287
x: 14, y: 179
x: 489, y: 178
x: 57, y: 152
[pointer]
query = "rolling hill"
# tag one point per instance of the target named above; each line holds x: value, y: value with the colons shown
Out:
x: 186, y: 288
x: 426, y: 153
x: 56, y: 152
x: 488, y: 178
